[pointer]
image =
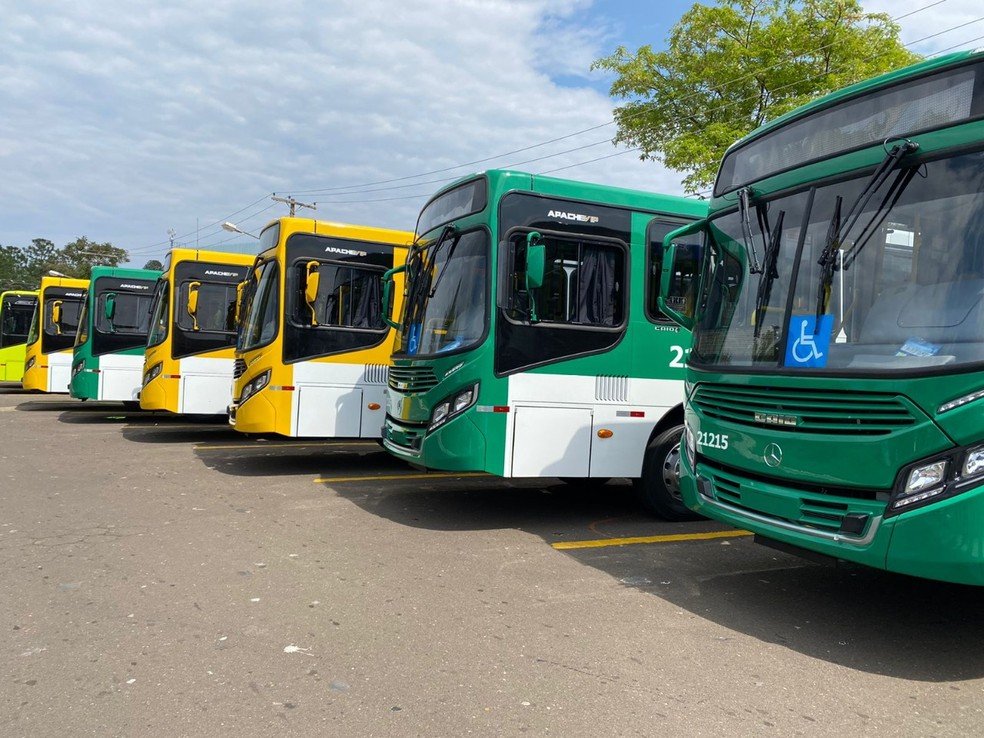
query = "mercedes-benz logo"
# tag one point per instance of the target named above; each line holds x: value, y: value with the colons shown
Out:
x: 773, y: 455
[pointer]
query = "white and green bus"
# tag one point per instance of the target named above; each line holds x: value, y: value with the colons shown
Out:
x: 530, y: 342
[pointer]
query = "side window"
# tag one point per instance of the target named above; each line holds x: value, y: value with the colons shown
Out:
x: 216, y: 308
x: 686, y: 273
x: 348, y: 297
x: 583, y: 282
x: 159, y: 314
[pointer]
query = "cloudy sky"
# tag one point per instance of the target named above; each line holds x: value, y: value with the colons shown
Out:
x: 123, y: 119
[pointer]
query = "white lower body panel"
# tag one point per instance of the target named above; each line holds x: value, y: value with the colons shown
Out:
x: 554, y: 420
x: 59, y: 371
x: 205, y: 387
x: 120, y: 377
x: 336, y: 401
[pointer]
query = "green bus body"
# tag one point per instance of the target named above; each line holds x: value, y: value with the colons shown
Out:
x: 16, y: 311
x: 569, y: 378
x: 835, y: 394
x: 107, y: 360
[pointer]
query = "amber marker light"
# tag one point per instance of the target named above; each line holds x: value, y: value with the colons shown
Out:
x: 605, y: 433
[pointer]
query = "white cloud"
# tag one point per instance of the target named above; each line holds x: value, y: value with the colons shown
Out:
x: 122, y: 119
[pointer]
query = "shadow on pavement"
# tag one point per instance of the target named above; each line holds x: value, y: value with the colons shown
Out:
x: 285, y: 458
x: 856, y: 617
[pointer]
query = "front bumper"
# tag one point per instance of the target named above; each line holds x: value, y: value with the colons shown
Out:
x: 458, y: 445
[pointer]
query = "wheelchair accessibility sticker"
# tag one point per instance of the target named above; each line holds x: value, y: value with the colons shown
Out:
x: 808, y: 343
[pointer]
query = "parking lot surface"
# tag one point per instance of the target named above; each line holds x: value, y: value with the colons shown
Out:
x: 166, y: 575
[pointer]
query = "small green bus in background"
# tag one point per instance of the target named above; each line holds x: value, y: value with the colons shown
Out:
x: 835, y: 389
x: 530, y: 343
x: 16, y: 311
x: 107, y: 361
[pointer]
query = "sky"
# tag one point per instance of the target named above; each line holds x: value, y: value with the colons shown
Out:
x: 122, y: 120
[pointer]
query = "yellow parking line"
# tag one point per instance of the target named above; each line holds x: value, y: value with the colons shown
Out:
x: 261, y: 444
x: 564, y: 545
x: 432, y: 475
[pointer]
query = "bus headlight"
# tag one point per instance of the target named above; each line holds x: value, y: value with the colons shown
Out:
x: 453, y: 405
x: 923, y: 477
x: 936, y: 478
x: 153, y: 373
x: 30, y: 363
x: 77, y: 369
x: 254, y: 385
x: 973, y: 462
x: 689, y: 446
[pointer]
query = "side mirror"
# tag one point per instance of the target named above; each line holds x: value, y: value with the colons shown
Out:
x: 536, y: 261
x: 669, y: 271
x: 56, y: 315
x: 312, y: 283
x: 109, y: 308
x: 192, y: 306
x: 388, y: 295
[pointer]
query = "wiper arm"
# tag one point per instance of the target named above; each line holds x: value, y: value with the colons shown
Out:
x: 769, y: 274
x: 450, y: 229
x: 837, y: 235
x: 744, y: 195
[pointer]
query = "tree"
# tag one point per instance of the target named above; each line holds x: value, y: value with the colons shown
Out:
x: 81, y: 255
x: 729, y: 68
x: 13, y: 272
x: 154, y: 264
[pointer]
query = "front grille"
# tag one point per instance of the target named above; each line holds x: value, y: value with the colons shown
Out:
x: 806, y: 505
x: 816, y: 411
x: 412, y: 378
x: 238, y: 368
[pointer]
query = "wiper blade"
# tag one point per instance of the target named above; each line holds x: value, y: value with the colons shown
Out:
x: 454, y: 244
x: 836, y: 235
x: 770, y: 273
x: 744, y: 195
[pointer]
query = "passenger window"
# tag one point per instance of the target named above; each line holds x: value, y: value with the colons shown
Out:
x: 348, y: 297
x: 682, y: 293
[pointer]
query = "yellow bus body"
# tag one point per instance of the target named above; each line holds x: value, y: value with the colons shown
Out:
x: 48, y: 361
x: 189, y: 358
x: 328, y: 389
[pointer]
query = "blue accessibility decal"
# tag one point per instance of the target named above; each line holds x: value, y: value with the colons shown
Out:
x: 808, y: 343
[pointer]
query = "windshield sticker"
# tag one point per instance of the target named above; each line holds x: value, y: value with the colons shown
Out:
x: 918, y: 347
x: 808, y: 343
x: 413, y: 339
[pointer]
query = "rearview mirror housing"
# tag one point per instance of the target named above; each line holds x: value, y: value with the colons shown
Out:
x: 192, y: 306
x: 312, y: 283
x: 536, y: 261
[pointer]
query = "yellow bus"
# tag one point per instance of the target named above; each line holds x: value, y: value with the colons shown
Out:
x: 16, y: 311
x: 189, y: 359
x: 48, y: 362
x: 314, y: 344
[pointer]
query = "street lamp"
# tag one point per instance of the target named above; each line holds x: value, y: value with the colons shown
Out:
x: 53, y: 273
x: 233, y: 228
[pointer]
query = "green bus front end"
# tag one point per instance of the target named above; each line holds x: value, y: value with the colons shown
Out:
x: 107, y: 359
x: 529, y: 330
x: 16, y: 311
x: 835, y: 386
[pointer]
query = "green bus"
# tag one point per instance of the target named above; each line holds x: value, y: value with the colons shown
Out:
x: 835, y: 387
x: 531, y: 344
x: 107, y: 361
x: 16, y: 311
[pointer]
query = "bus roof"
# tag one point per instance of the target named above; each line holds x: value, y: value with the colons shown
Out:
x: 218, y: 257
x: 843, y: 95
x: 123, y: 273
x: 503, y: 180
x: 49, y: 281
x: 342, y: 230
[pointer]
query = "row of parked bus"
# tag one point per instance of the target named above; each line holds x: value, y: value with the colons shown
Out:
x: 814, y: 333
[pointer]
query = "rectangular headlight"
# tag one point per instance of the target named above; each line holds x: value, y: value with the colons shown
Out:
x: 463, y: 400
x: 973, y: 462
x: 926, y: 476
x: 440, y: 413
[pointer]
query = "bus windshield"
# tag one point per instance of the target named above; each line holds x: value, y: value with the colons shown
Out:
x: 260, y: 308
x: 904, y: 291
x: 446, y: 307
x: 16, y: 321
x: 159, y: 313
x: 123, y: 312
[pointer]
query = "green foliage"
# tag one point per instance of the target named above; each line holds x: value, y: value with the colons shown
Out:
x: 22, y: 268
x: 154, y: 264
x: 730, y: 67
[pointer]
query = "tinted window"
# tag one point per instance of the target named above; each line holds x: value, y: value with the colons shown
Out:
x: 16, y: 320
x: 216, y: 308
x: 461, y: 201
x: 685, y: 274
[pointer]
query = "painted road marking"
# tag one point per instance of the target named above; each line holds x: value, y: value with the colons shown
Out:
x: 263, y: 444
x: 433, y: 475
x: 672, y: 538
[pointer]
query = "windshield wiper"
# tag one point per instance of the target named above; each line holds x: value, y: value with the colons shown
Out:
x: 837, y: 235
x: 448, y: 230
x: 769, y: 274
x: 744, y: 195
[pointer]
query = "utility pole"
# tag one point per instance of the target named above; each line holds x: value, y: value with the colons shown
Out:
x: 294, y: 204
x: 171, y: 233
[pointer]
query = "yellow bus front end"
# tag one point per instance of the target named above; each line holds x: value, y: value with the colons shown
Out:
x: 314, y: 345
x: 188, y: 363
x: 48, y: 359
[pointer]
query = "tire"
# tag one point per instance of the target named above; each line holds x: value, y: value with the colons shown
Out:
x: 658, y: 490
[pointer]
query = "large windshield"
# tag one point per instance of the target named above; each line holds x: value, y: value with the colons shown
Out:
x: 260, y: 307
x: 447, y: 295
x: 159, y: 314
x: 15, y: 321
x: 123, y: 312
x: 905, y: 291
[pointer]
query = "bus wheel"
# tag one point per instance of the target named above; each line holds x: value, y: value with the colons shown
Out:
x: 658, y: 491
